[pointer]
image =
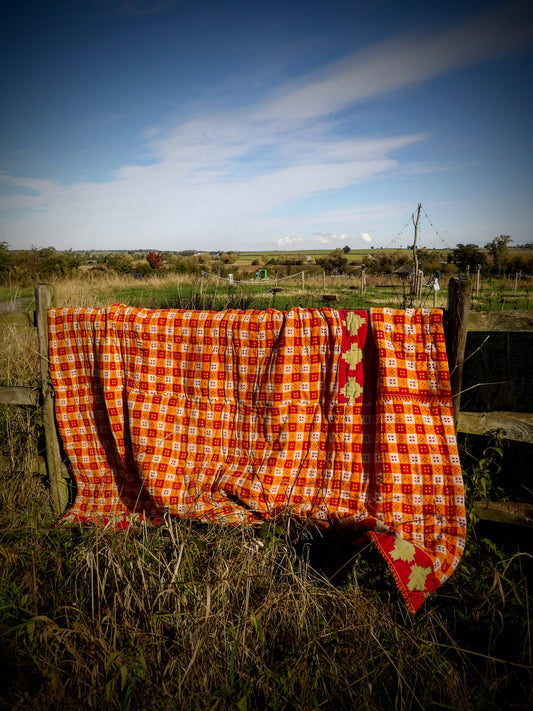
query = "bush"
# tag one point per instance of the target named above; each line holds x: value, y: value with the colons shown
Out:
x: 335, y: 261
x: 120, y: 264
x: 155, y: 260
x: 26, y: 267
x: 468, y: 257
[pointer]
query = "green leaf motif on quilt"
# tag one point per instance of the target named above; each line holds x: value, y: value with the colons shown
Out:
x: 403, y: 550
x: 353, y: 356
x: 354, y: 322
x: 417, y: 579
x: 352, y: 390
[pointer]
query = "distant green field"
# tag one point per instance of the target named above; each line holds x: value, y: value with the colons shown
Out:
x: 8, y: 293
x: 344, y: 293
x: 353, y: 255
x: 339, y: 293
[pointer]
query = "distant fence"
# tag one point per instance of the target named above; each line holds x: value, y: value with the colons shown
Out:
x: 459, y: 320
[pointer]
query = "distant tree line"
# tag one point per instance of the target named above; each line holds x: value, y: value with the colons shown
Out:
x: 26, y: 267
x: 497, y: 258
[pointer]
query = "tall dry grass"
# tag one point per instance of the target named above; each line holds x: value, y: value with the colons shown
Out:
x: 185, y: 291
x: 100, y: 289
x: 184, y: 617
x: 19, y: 429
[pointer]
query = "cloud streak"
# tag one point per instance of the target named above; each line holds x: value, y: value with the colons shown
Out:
x: 403, y: 62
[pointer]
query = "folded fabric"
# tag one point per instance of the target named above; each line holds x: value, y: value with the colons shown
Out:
x: 339, y: 417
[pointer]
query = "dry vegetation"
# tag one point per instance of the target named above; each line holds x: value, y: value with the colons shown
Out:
x: 183, y: 616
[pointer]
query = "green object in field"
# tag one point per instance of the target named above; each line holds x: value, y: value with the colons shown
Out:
x: 261, y: 275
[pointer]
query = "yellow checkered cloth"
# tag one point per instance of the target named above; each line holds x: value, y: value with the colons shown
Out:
x: 339, y: 417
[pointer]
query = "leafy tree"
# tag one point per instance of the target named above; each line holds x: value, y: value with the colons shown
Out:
x: 5, y: 260
x: 155, y: 260
x: 467, y: 257
x: 29, y: 266
x: 499, y: 248
x: 186, y: 265
x: 120, y: 264
x: 385, y: 262
x: 346, y: 249
x: 334, y: 261
x: 291, y: 261
x: 228, y: 257
x: 520, y: 263
x: 141, y: 269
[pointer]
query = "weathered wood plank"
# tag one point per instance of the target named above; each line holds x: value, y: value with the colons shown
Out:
x: 17, y: 318
x: 518, y: 426
x: 459, y: 296
x: 18, y: 395
x: 515, y: 321
x: 505, y: 512
x: 43, y: 302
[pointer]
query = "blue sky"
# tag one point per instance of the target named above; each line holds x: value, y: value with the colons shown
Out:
x: 163, y: 124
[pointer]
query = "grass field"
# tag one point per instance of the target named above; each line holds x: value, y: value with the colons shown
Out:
x: 178, y: 291
x: 246, y: 258
x: 184, y: 616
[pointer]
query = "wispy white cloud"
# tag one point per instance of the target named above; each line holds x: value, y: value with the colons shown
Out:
x: 424, y: 167
x: 203, y: 183
x: 224, y: 175
x: 404, y: 62
x: 323, y: 237
x: 288, y: 241
x: 338, y: 240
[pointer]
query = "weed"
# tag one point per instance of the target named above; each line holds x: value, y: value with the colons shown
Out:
x: 480, y: 476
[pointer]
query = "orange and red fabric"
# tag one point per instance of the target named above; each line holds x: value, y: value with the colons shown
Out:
x: 340, y: 417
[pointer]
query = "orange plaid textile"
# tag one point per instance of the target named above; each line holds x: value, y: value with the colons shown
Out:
x: 339, y: 417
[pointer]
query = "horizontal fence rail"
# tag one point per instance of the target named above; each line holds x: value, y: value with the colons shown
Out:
x: 510, y: 321
x: 15, y: 395
x: 517, y: 426
x: 43, y: 396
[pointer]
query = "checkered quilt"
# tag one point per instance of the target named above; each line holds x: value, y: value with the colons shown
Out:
x: 339, y: 417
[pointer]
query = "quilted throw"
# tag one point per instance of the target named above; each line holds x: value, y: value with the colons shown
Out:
x: 340, y: 417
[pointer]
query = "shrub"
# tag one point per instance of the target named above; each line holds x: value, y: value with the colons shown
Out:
x: 155, y: 260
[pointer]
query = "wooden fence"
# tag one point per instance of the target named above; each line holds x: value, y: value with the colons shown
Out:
x: 518, y: 426
x: 459, y: 320
x: 56, y: 469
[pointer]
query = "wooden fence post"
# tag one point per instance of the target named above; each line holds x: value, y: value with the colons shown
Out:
x: 44, y: 300
x: 459, y: 296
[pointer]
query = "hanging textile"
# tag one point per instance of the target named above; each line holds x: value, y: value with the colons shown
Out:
x: 342, y: 418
